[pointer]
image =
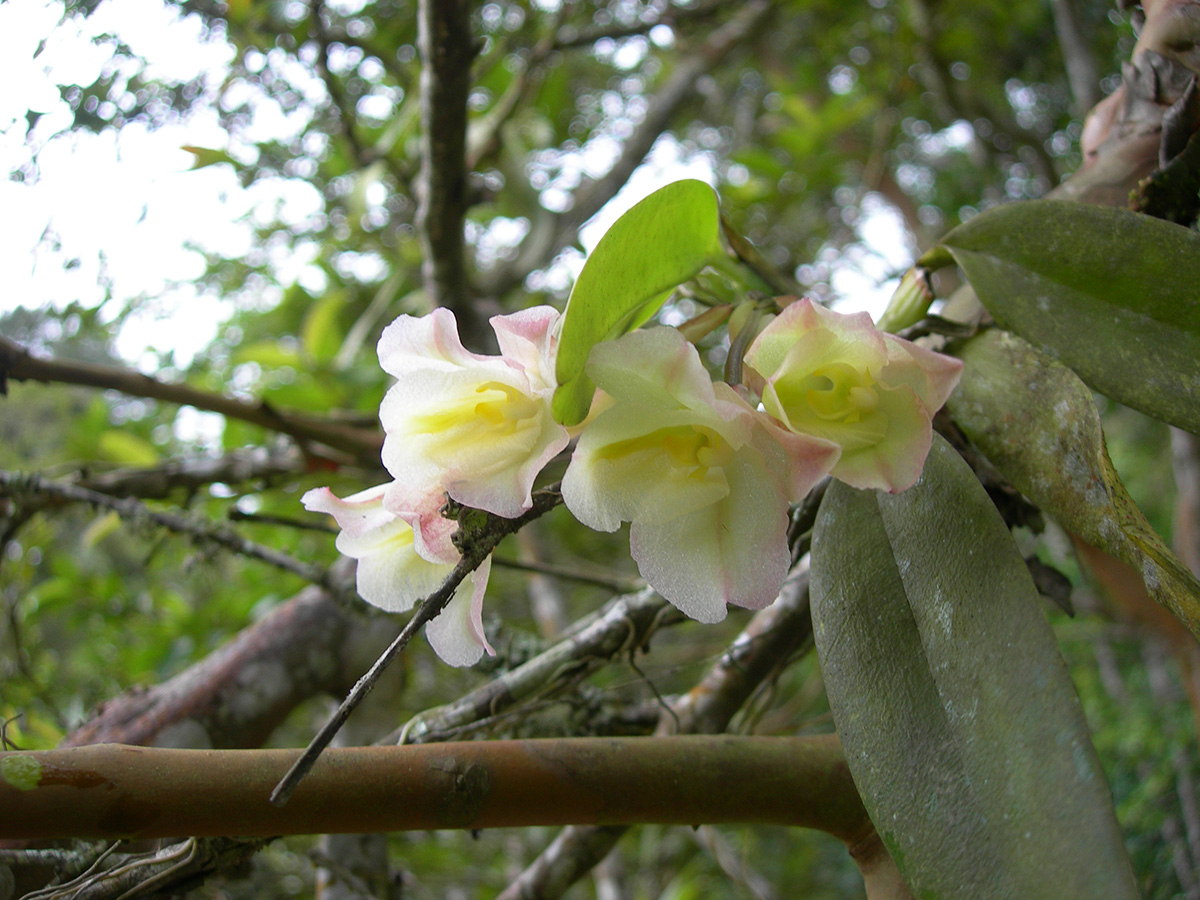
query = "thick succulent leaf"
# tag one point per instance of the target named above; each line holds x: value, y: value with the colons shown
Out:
x: 960, y: 724
x: 1038, y: 424
x: 656, y: 245
x: 1111, y: 293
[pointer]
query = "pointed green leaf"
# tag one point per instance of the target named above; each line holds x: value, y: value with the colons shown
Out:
x: 1111, y: 293
x: 1037, y: 423
x: 656, y: 245
x: 960, y: 724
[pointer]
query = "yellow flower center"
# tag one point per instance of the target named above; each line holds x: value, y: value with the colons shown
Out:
x: 835, y: 393
x: 692, y: 449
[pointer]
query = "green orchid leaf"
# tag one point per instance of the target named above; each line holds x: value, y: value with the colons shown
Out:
x: 1108, y: 292
x: 1038, y: 424
x: 656, y: 245
x: 959, y: 720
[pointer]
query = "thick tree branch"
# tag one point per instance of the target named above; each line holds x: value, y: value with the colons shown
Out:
x: 770, y: 638
x: 237, y: 695
x: 362, y: 444
x: 113, y: 790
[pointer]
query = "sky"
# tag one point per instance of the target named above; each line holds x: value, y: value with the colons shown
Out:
x: 125, y: 209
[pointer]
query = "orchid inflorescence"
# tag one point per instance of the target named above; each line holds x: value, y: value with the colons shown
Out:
x: 705, y: 472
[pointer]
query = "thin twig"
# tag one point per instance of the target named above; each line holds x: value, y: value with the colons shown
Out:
x: 614, y: 583
x: 475, y: 550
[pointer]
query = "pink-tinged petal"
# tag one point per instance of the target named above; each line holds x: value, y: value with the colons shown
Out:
x: 931, y: 375
x: 655, y: 366
x: 456, y: 634
x: 526, y: 340
x: 475, y: 433
x: 391, y: 574
x: 411, y: 343
x: 802, y: 460
x: 821, y: 333
x: 733, y: 551
x: 355, y: 515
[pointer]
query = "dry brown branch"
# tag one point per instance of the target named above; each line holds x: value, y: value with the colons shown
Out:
x: 363, y: 445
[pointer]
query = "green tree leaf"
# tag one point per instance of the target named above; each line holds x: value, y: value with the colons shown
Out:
x: 1108, y: 292
x: 126, y: 448
x: 961, y: 727
x: 660, y: 242
x: 1037, y: 423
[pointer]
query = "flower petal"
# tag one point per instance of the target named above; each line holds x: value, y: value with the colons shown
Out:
x: 732, y: 551
x: 526, y: 340
x: 456, y: 634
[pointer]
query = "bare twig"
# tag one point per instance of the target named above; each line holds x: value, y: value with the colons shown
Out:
x: 191, y: 472
x: 569, y: 37
x: 17, y: 363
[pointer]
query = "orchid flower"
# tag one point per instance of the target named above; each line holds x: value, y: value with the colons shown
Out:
x: 837, y: 377
x: 477, y: 427
x: 704, y: 478
x: 401, y: 560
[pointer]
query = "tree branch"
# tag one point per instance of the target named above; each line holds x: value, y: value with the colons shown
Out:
x: 237, y: 695
x: 1082, y: 72
x: 114, y: 791
x: 192, y: 472
x: 18, y: 485
x: 771, y: 636
x: 624, y: 625
x: 447, y: 49
x: 362, y: 444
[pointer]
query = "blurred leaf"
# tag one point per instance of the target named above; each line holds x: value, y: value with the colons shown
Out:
x: 100, y: 528
x: 961, y: 727
x: 269, y: 354
x: 1038, y: 424
x: 660, y: 242
x: 128, y: 449
x: 208, y: 156
x: 1108, y: 292
x: 320, y: 332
